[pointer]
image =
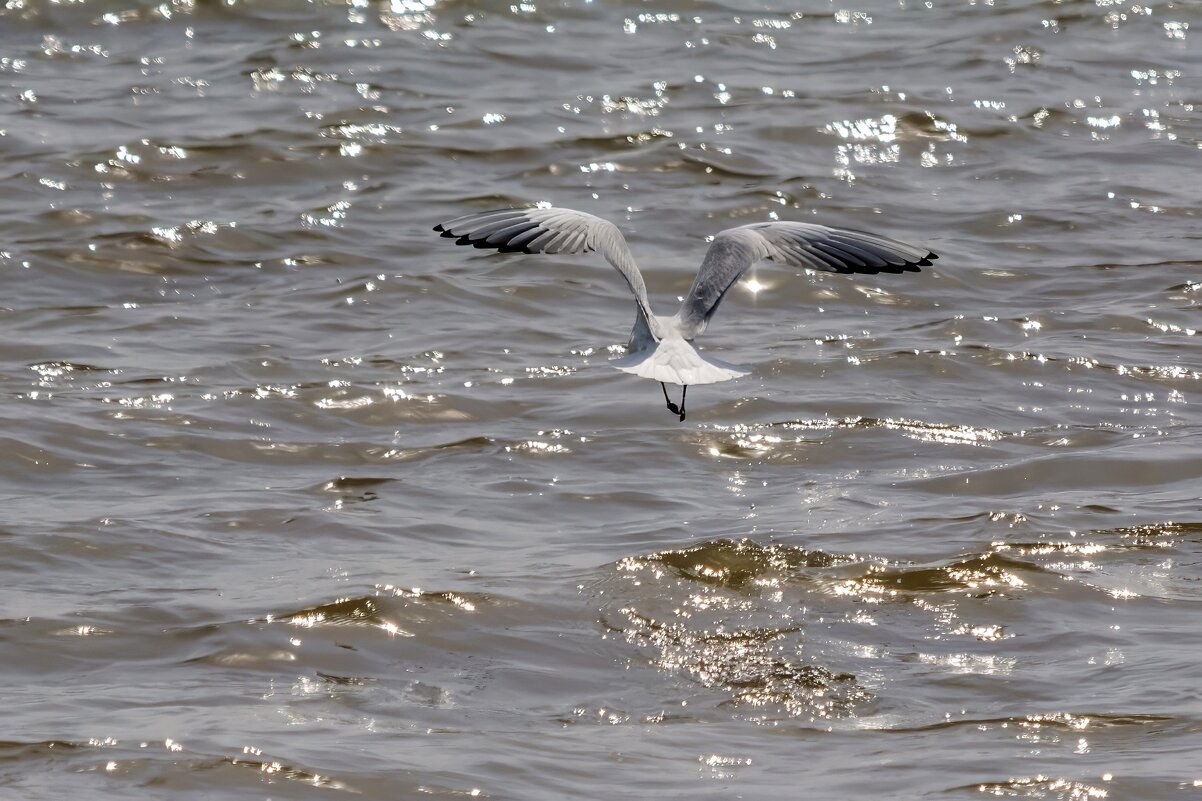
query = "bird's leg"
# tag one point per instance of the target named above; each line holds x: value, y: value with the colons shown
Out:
x: 672, y: 407
x: 683, y: 392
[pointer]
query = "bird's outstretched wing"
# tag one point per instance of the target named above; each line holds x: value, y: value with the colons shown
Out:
x: 550, y: 230
x: 815, y: 247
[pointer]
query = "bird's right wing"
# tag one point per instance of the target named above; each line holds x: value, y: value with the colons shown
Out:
x: 808, y: 245
x: 550, y: 230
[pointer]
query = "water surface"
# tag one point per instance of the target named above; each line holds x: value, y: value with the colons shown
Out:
x: 302, y: 501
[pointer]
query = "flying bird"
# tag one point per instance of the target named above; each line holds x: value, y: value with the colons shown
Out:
x: 661, y: 348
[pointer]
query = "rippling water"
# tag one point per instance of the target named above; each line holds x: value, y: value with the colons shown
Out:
x: 301, y: 501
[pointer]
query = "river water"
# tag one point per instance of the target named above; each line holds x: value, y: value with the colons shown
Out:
x: 302, y: 501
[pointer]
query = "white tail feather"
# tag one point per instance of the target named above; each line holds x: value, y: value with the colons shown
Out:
x: 675, y: 361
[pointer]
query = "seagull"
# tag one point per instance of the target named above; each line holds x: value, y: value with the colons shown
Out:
x: 661, y: 348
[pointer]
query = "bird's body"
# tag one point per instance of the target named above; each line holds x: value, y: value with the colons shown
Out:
x: 672, y: 359
x: 661, y: 348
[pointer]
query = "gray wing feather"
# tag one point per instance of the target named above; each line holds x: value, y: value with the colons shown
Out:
x: 550, y: 230
x: 808, y: 245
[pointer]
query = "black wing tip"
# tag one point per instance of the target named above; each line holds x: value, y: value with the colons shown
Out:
x: 925, y: 261
x: 888, y: 269
x: 482, y: 244
x: 910, y: 265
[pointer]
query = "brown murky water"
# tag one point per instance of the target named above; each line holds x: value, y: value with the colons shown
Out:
x: 300, y: 500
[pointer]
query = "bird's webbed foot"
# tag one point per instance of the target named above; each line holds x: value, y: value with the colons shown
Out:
x: 672, y: 407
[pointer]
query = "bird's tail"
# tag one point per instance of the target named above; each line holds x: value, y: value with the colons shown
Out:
x: 675, y: 361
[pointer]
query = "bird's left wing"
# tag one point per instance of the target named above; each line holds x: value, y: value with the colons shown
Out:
x: 808, y: 245
x: 550, y: 230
